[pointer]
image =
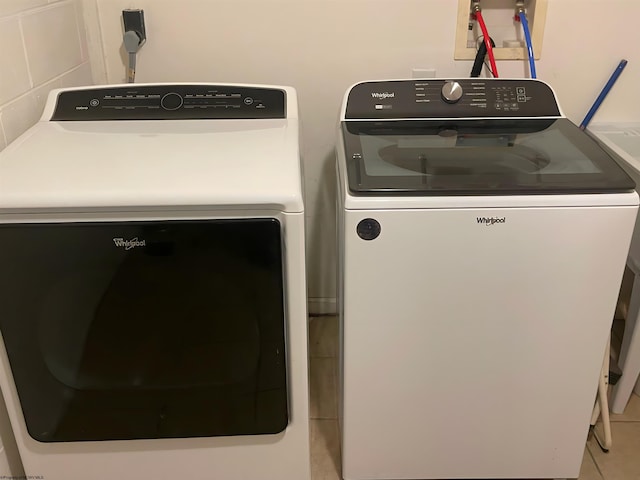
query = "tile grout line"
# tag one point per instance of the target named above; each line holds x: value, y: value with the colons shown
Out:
x: 336, y: 366
x: 26, y: 55
x: 21, y: 15
x: 331, y: 416
x: 593, y: 459
x: 4, y: 135
x: 104, y: 63
x: 334, y: 380
x: 51, y: 80
x: 84, y: 55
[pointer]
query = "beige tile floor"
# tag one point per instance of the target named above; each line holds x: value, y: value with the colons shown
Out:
x: 621, y: 463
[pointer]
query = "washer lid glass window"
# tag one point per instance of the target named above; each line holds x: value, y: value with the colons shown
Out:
x: 476, y: 157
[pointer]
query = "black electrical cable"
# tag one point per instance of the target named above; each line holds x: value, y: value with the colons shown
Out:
x: 480, y: 56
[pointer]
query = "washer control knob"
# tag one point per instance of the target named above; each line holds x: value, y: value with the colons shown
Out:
x: 368, y: 229
x: 451, y: 92
x: 171, y: 101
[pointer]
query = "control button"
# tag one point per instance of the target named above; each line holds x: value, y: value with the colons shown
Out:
x: 248, y: 100
x: 94, y: 102
x: 171, y: 101
x: 451, y: 92
x: 368, y: 229
x: 520, y: 91
x: 522, y: 98
x: 357, y: 156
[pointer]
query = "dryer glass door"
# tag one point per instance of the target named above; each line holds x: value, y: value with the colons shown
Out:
x: 145, y: 329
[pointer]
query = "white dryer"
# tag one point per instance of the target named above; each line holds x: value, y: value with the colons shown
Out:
x: 482, y: 241
x: 152, y: 289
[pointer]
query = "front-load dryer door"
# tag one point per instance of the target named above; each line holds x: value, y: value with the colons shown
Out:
x: 145, y: 329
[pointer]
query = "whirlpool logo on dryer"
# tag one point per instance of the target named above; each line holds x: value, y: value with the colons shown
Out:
x: 383, y: 95
x: 489, y: 221
x: 129, y: 244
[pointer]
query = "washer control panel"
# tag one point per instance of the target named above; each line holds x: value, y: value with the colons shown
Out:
x: 166, y: 102
x: 459, y: 98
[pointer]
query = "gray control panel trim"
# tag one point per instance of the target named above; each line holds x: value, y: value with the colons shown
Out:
x: 452, y: 98
x: 169, y: 102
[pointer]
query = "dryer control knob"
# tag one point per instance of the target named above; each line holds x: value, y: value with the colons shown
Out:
x: 171, y: 101
x: 451, y: 92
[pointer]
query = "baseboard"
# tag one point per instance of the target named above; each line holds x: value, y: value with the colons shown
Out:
x: 322, y: 306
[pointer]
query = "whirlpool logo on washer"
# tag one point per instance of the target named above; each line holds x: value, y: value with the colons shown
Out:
x: 129, y: 244
x: 383, y: 95
x: 489, y: 221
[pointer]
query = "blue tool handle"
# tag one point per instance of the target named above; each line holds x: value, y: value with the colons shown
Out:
x: 594, y: 108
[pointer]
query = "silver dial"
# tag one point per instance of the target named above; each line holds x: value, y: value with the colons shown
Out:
x: 451, y: 92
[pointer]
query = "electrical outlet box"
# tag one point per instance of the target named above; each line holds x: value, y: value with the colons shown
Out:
x: 423, y: 73
x: 499, y: 15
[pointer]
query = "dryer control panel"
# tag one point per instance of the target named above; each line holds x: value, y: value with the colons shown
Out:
x: 170, y: 102
x: 461, y: 98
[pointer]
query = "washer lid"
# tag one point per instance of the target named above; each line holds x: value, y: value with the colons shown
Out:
x: 132, y: 164
x: 477, y: 157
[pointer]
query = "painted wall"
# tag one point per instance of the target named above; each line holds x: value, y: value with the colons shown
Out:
x: 42, y: 46
x: 322, y: 47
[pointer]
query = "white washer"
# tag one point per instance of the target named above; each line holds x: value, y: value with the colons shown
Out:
x: 152, y: 286
x: 482, y: 241
x: 624, y: 139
